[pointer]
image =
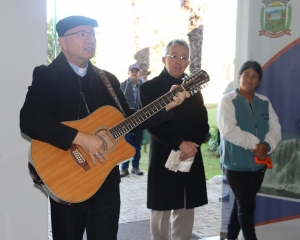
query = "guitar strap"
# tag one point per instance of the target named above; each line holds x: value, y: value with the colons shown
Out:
x: 109, y: 87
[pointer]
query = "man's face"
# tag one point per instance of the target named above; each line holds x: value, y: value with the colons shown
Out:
x: 134, y: 75
x: 176, y: 66
x: 78, y: 50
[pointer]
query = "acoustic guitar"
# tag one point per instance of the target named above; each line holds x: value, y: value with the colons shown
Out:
x: 70, y: 176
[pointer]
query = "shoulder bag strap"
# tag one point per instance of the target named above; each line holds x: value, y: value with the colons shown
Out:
x: 109, y: 87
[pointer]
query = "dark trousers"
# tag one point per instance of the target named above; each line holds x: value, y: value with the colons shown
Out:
x: 99, y: 215
x: 245, y: 186
x: 135, y: 139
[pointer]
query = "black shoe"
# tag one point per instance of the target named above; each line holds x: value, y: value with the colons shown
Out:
x: 136, y: 171
x: 124, y: 172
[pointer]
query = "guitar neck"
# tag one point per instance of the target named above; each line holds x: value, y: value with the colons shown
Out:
x: 143, y: 114
x: 191, y: 84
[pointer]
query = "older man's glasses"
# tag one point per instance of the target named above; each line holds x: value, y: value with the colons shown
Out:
x: 175, y: 57
x: 82, y: 35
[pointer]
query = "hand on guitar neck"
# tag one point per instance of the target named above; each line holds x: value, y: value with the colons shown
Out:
x: 92, y: 145
x: 178, y: 98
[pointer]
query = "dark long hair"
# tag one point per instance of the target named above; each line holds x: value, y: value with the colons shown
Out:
x: 254, y: 65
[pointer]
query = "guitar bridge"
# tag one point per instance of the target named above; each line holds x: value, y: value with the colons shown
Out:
x: 78, y: 158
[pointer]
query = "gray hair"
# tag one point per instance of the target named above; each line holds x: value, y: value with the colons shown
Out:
x: 179, y: 42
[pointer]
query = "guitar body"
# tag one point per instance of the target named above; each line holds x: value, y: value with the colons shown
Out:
x: 64, y: 179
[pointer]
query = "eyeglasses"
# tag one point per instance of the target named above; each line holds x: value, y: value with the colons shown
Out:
x: 175, y: 57
x: 81, y: 35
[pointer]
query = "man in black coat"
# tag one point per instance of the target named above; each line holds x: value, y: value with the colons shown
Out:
x: 170, y: 190
x: 71, y: 88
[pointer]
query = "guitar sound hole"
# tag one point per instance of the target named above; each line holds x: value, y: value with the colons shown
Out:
x: 107, y: 139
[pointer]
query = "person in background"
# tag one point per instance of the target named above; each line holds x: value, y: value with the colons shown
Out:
x: 249, y: 128
x: 69, y: 89
x: 130, y: 88
x: 169, y: 191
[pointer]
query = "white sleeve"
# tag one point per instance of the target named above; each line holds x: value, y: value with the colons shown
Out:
x: 228, y: 128
x: 273, y: 137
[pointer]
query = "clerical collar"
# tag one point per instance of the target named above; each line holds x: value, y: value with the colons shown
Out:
x: 80, y: 71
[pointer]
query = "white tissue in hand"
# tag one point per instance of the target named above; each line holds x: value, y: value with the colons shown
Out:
x: 175, y: 164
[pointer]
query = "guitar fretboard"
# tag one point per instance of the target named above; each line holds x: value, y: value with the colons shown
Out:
x: 143, y: 114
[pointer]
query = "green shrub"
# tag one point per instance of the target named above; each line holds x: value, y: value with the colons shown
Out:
x: 213, y: 144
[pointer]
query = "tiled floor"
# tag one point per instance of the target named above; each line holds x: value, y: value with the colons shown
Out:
x: 207, y: 218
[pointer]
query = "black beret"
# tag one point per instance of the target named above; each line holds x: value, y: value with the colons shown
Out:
x: 70, y: 22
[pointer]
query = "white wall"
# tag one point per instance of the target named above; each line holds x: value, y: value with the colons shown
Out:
x: 242, y: 34
x: 23, y: 45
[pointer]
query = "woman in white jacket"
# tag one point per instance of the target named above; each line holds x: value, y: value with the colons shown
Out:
x: 249, y: 128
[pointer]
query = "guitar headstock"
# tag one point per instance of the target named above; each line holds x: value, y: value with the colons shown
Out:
x: 194, y: 82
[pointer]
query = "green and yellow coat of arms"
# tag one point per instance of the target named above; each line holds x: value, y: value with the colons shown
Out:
x: 275, y: 18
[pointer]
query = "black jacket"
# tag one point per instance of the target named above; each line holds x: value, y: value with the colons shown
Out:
x: 190, y: 123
